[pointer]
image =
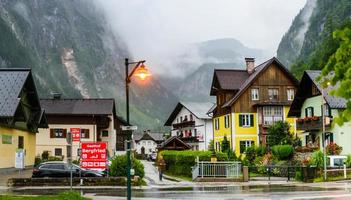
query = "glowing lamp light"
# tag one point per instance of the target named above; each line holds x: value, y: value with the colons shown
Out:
x: 142, y: 72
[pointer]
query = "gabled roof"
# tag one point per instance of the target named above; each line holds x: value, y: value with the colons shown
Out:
x: 198, y: 109
x: 157, y: 137
x: 258, y: 70
x: 175, y: 140
x: 17, y: 94
x: 304, y: 91
x: 79, y: 106
x: 228, y: 79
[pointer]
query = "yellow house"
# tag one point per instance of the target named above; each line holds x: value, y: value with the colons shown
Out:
x: 20, y: 116
x: 249, y: 101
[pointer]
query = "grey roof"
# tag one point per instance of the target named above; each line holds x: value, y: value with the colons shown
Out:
x: 11, y: 84
x: 155, y: 136
x: 333, y: 101
x: 199, y: 109
x: 260, y: 68
x: 78, y: 106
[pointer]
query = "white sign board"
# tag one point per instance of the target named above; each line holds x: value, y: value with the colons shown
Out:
x: 129, y: 128
x: 19, y: 160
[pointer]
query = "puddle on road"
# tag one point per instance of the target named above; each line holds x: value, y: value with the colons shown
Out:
x: 181, y: 191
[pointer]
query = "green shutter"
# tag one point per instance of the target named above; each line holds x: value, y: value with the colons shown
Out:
x: 251, y: 120
x: 240, y: 120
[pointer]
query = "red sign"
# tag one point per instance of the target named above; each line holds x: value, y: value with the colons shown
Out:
x: 93, y: 155
x: 75, y: 134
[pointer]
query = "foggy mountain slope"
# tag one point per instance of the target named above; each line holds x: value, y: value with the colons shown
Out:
x: 72, y: 50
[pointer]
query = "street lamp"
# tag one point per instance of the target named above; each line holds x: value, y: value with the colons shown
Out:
x: 142, y: 72
x: 323, y: 132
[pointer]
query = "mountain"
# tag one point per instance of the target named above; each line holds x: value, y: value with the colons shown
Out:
x: 72, y: 50
x: 225, y: 53
x: 309, y: 41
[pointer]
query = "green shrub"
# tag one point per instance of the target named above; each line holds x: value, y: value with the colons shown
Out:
x: 232, y: 156
x: 298, y: 175
x: 55, y: 158
x: 317, y: 159
x: 333, y: 149
x: 283, y: 152
x: 348, y: 161
x: 70, y: 195
x: 45, y: 155
x: 119, y: 167
x: 180, y: 162
x: 37, y: 161
x: 76, y: 162
x: 261, y: 150
x: 250, y: 153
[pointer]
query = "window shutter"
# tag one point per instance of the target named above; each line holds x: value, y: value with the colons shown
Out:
x: 64, y: 133
x: 240, y: 120
x: 251, y: 120
x: 329, y: 111
x: 306, y: 112
x: 52, y: 135
x: 312, y: 111
x: 331, y: 135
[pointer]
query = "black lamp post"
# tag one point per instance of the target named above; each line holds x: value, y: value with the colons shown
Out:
x: 138, y: 70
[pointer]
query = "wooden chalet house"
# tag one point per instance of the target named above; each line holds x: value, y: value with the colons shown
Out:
x: 249, y: 101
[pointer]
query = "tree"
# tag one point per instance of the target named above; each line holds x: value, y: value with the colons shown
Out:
x: 337, y: 72
x: 225, y: 146
x: 279, y: 133
x: 211, y: 146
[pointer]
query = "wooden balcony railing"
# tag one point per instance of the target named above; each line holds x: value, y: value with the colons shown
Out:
x: 312, y: 123
x: 184, y: 124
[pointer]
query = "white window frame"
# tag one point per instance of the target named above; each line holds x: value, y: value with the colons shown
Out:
x: 216, y: 123
x: 290, y: 94
x: 255, y: 94
x: 246, y: 120
x: 226, y: 121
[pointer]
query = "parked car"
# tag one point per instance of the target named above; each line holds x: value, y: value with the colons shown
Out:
x: 152, y: 156
x: 62, y: 169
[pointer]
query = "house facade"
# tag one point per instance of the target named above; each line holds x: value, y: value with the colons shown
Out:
x: 249, y: 101
x: 308, y: 107
x: 191, y: 123
x: 20, y: 116
x: 147, y: 143
x: 96, y: 119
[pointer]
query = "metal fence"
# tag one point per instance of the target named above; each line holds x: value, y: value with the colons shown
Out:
x: 216, y: 169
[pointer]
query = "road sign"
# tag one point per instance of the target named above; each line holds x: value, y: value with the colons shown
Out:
x: 129, y: 128
x: 19, y: 161
x: 94, y: 155
x: 75, y: 134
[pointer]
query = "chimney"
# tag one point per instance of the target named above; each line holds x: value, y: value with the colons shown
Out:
x: 250, y: 65
x: 56, y: 95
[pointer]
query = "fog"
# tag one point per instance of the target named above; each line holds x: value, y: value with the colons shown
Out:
x: 161, y: 30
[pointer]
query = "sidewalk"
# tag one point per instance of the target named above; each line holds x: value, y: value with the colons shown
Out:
x: 13, y: 173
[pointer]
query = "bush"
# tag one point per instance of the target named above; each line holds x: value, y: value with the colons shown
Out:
x: 261, y: 150
x: 54, y: 158
x: 348, y: 161
x: 333, y: 149
x: 119, y: 167
x: 45, y: 155
x: 232, y: 156
x: 317, y: 159
x: 37, y: 161
x: 250, y: 153
x: 76, y: 162
x: 283, y: 152
x: 180, y: 162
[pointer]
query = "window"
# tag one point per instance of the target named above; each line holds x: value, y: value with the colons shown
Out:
x: 244, y: 144
x: 85, y: 133
x: 104, y: 133
x: 246, y: 120
x: 327, y: 110
x: 227, y: 121
x: 6, y: 139
x: 181, y: 119
x: 58, y: 133
x: 20, y: 142
x: 149, y: 142
x: 254, y: 94
x: 216, y: 123
x: 58, y: 152
x: 290, y: 94
x: 273, y: 94
x: 272, y: 114
x: 315, y: 90
x: 218, y: 146
x: 191, y: 117
x: 186, y: 118
x: 309, y: 112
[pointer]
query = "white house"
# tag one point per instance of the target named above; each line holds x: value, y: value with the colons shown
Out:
x: 147, y: 143
x: 191, y: 123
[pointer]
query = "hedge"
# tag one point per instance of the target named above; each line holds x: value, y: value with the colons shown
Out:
x: 283, y: 152
x: 119, y: 167
x: 180, y: 162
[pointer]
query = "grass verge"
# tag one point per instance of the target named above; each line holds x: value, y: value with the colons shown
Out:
x: 69, y: 195
x: 185, y: 178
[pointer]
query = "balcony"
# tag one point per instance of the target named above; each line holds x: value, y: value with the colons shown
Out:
x: 190, y: 139
x: 312, y: 123
x: 184, y: 124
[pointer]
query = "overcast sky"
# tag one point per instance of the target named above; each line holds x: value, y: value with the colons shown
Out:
x: 155, y: 29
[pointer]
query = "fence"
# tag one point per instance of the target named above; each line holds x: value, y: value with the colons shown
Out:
x: 216, y: 169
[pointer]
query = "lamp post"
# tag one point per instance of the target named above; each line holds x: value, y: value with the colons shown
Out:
x: 323, y: 133
x: 141, y: 71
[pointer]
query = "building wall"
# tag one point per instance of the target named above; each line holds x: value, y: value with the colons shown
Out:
x: 112, y: 136
x: 203, y: 127
x: 7, y: 151
x: 45, y: 143
x: 245, y: 133
x: 314, y: 102
x: 149, y: 146
x: 222, y: 131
